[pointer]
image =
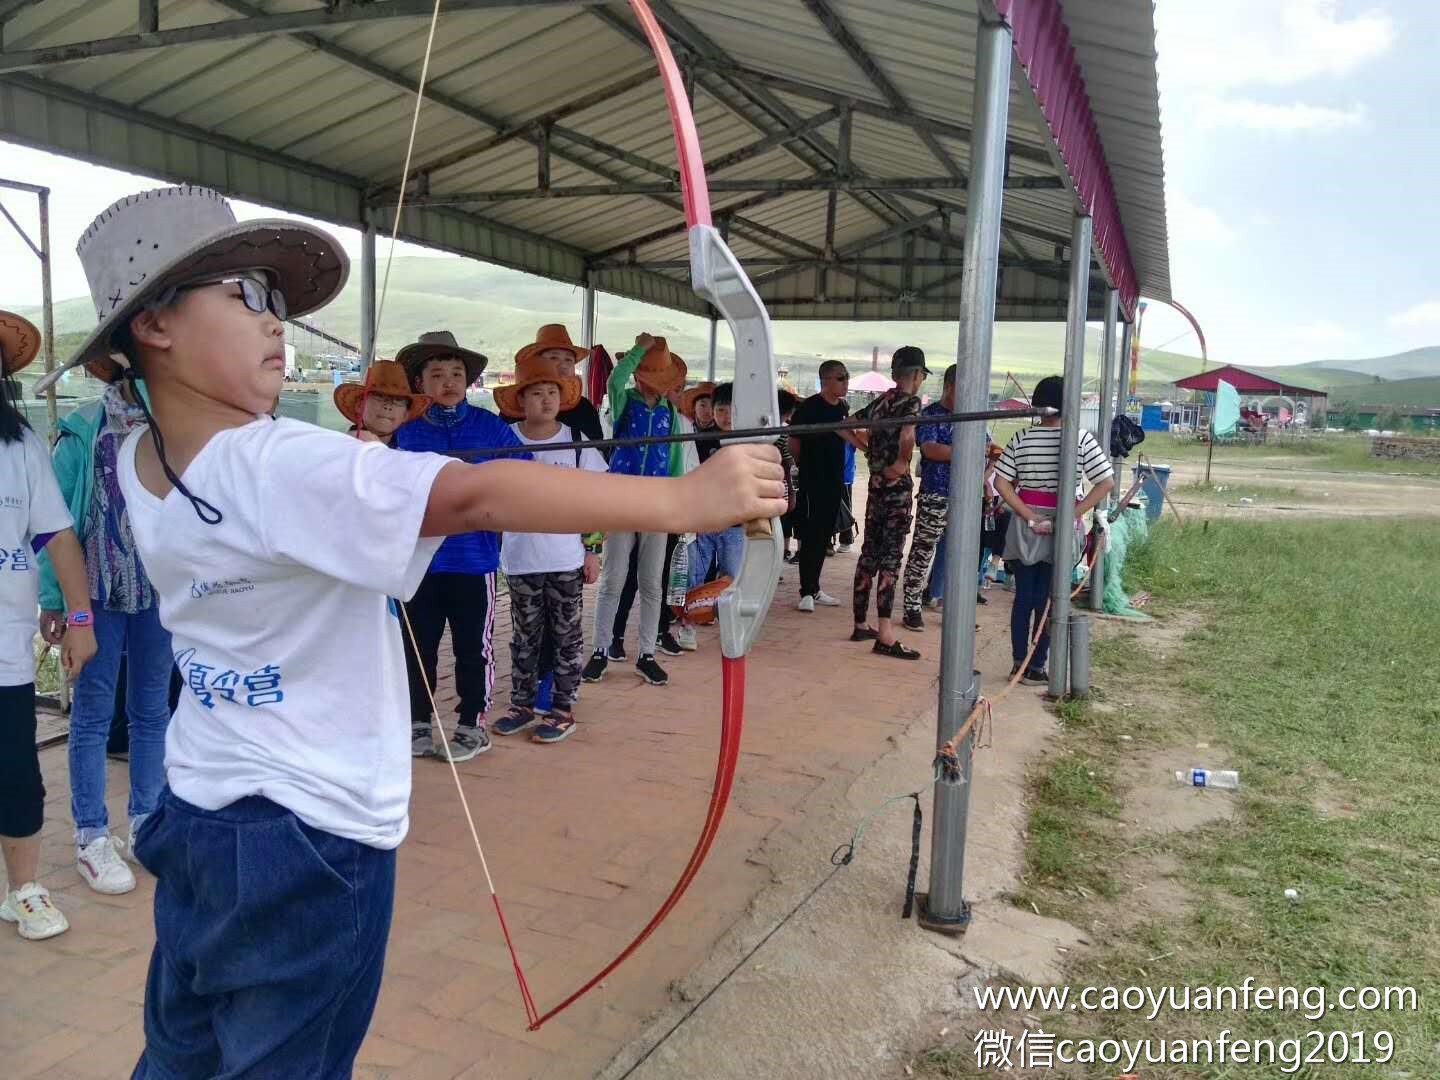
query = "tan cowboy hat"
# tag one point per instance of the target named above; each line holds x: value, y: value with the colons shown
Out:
x: 104, y: 368
x: 440, y: 343
x: 660, y: 370
x: 19, y: 343
x: 146, y: 243
x: 384, y: 377
x: 694, y: 394
x: 551, y: 336
x: 530, y: 370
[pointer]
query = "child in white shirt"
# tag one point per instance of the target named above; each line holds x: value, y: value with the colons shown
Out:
x: 287, y: 761
x: 546, y: 572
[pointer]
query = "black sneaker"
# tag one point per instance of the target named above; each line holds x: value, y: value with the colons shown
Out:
x: 668, y: 645
x: 595, y: 669
x: 1035, y: 677
x: 650, y: 671
x: 980, y: 598
x: 616, y: 651
x: 914, y: 621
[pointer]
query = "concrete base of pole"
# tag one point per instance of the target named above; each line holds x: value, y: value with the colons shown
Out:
x: 940, y: 924
x: 1079, y: 656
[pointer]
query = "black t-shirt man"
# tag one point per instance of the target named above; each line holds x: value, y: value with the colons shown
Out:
x: 583, y: 421
x: 822, y: 456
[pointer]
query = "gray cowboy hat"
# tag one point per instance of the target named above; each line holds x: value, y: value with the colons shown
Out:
x: 437, y: 343
x: 146, y: 243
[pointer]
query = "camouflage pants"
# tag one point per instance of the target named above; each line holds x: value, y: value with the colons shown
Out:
x: 887, y: 526
x: 931, y: 510
x: 545, y: 610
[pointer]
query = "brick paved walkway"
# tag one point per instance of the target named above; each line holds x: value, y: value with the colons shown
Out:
x: 584, y: 840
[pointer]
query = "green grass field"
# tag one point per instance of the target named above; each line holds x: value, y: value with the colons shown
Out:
x: 1310, y: 665
x: 1315, y: 452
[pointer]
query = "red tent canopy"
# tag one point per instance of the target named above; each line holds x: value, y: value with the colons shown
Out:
x: 1013, y: 403
x: 1245, y: 382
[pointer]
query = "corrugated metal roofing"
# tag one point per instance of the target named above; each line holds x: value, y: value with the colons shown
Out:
x: 315, y: 121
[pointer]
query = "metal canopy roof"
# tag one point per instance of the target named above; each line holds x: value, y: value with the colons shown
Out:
x: 835, y: 133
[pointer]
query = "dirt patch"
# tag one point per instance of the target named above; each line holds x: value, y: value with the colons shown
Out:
x: 1158, y: 803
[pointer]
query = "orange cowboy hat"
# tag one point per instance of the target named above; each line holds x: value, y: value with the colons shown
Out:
x: 994, y: 450
x: 384, y: 377
x: 530, y: 370
x: 551, y: 336
x: 104, y: 368
x: 660, y: 370
x: 691, y: 396
x: 19, y: 343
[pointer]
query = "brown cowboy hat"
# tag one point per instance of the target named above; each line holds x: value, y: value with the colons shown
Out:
x: 660, y: 370
x: 384, y: 377
x: 551, y: 336
x: 529, y: 371
x: 19, y: 343
x: 104, y: 368
x: 994, y: 450
x: 435, y: 344
x: 691, y: 396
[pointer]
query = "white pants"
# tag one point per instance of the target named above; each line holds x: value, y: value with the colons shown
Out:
x: 649, y: 569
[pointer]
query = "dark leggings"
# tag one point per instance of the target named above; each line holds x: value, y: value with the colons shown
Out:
x: 22, y: 792
x: 1032, y: 589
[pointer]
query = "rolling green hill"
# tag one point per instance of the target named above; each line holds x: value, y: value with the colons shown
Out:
x: 1414, y: 393
x: 497, y: 310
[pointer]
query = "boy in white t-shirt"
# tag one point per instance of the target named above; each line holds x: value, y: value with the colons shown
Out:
x: 287, y: 761
x: 33, y: 516
x: 546, y: 572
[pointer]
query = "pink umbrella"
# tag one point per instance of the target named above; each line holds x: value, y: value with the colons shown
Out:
x: 871, y: 382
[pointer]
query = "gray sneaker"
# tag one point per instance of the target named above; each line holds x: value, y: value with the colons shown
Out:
x: 465, y: 743
x: 422, y: 742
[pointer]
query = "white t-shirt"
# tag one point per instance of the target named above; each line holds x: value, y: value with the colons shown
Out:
x: 284, y: 631
x: 30, y: 505
x: 548, y: 553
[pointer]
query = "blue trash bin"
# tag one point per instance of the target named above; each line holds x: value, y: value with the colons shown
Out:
x: 1156, y: 480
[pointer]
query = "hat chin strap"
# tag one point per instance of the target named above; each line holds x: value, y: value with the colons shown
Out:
x: 204, y: 510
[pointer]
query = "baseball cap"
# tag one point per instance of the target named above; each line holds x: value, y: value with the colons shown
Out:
x: 908, y: 358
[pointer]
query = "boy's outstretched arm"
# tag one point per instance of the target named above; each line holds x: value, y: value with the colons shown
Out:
x: 738, y: 483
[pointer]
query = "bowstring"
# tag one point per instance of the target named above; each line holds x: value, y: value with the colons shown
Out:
x: 531, y: 1013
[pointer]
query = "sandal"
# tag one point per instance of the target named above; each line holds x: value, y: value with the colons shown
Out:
x: 557, y: 726
x: 864, y: 633
x: 895, y: 649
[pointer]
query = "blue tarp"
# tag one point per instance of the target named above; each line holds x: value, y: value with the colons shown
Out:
x: 1152, y: 418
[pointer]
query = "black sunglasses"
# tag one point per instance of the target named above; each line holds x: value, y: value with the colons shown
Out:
x: 256, y: 296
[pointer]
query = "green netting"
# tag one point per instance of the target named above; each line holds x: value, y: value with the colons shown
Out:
x: 1129, y: 529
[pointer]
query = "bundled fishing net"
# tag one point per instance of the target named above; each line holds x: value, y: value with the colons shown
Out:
x: 1129, y: 529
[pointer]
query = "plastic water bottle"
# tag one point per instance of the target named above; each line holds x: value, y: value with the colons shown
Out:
x: 1210, y: 778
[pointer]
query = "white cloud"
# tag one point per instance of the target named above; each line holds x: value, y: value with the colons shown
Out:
x: 1193, y: 226
x: 1217, y: 45
x: 1320, y: 332
x: 1422, y: 315
x: 1265, y: 116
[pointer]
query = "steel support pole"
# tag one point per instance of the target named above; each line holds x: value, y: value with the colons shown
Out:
x: 367, y: 295
x: 710, y: 355
x: 944, y: 908
x: 47, y: 304
x: 1069, y: 455
x: 587, y: 327
x: 1102, y: 428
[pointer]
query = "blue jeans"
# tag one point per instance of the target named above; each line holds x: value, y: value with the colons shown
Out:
x: 936, y: 586
x: 269, y: 943
x: 1032, y: 589
x: 726, y: 548
x: 145, y: 644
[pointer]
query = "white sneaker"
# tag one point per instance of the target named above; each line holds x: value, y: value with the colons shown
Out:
x: 31, y: 907
x: 685, y: 638
x: 845, y: 547
x: 824, y: 599
x: 103, y: 868
x: 807, y: 603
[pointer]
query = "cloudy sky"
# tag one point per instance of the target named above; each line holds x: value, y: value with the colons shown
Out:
x: 1301, y: 159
